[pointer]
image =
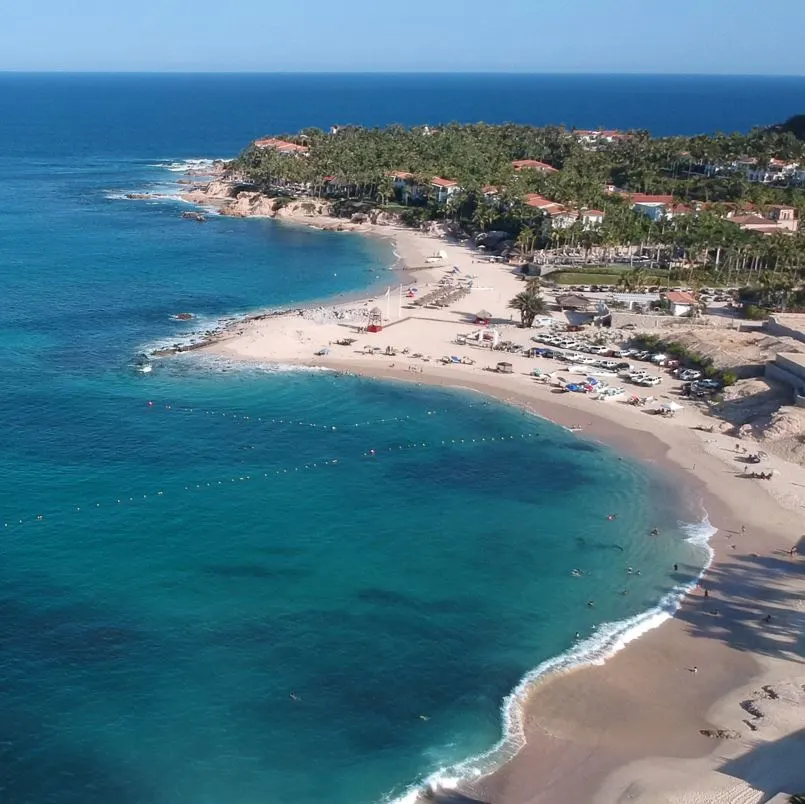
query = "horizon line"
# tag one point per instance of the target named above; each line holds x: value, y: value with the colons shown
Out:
x: 374, y: 73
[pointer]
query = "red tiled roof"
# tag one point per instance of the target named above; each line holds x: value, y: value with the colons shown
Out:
x: 749, y: 220
x: 401, y: 174
x: 545, y: 204
x: 440, y: 182
x: 593, y: 212
x: 283, y: 146
x: 680, y: 297
x: 533, y: 164
x: 490, y: 189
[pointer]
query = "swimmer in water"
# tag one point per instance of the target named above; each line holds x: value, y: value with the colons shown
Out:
x: 590, y: 604
x: 576, y: 573
x: 612, y: 516
x: 654, y: 532
x: 629, y: 570
x: 293, y: 696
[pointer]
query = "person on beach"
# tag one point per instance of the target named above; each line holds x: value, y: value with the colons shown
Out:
x: 792, y: 553
x: 706, y: 593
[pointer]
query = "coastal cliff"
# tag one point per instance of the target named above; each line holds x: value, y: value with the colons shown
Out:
x: 235, y: 203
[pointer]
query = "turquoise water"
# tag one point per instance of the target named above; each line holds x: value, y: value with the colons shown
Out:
x: 226, y: 584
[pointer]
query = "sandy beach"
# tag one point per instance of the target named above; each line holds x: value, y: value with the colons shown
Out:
x: 706, y: 708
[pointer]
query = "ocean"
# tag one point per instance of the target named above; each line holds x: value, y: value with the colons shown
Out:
x: 230, y: 584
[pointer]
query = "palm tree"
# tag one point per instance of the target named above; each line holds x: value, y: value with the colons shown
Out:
x: 529, y: 304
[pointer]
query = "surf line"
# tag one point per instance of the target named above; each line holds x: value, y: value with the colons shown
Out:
x: 13, y: 524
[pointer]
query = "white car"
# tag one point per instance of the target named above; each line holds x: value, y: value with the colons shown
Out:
x: 648, y: 382
x: 688, y: 375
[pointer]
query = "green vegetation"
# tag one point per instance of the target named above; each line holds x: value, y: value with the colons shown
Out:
x: 529, y: 303
x: 356, y: 166
x: 605, y: 276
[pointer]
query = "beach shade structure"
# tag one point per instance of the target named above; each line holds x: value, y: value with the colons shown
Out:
x: 505, y: 368
x: 375, y: 320
x: 671, y: 407
x: 483, y: 317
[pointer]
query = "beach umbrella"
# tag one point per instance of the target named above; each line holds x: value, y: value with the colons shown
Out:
x: 484, y: 314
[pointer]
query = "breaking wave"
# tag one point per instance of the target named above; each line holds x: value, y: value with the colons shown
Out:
x: 608, y: 639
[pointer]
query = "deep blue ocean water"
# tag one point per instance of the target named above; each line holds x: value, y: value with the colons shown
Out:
x: 228, y: 584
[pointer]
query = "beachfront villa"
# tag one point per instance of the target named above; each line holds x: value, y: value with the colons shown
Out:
x: 281, y: 146
x: 409, y: 189
x: 445, y: 188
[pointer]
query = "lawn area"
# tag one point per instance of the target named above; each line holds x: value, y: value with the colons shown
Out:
x: 609, y: 278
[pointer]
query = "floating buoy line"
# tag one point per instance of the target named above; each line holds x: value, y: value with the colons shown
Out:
x: 290, y: 421
x: 84, y: 508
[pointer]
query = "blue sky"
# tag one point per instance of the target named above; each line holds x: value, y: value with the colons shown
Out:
x: 676, y: 36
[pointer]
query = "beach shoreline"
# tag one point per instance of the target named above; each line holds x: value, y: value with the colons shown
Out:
x: 580, y: 744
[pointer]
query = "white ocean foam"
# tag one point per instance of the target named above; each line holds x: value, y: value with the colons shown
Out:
x: 183, y: 165
x: 609, y: 639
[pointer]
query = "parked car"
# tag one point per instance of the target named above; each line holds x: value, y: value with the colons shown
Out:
x: 706, y: 385
x: 648, y: 381
x: 689, y: 374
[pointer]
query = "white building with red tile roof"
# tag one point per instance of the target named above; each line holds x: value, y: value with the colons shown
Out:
x: 533, y: 164
x: 445, y: 188
x: 281, y: 146
x: 681, y: 303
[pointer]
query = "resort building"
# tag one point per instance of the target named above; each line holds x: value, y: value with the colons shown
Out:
x: 770, y: 220
x: 654, y: 207
x: 406, y: 187
x: 409, y: 189
x: 591, y: 218
x: 281, y: 146
x: 593, y: 138
x: 560, y: 216
x: 681, y: 303
x: 445, y: 188
x: 533, y: 164
x: 774, y: 171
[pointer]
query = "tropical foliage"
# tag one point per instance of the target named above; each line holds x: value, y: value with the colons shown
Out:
x: 529, y: 303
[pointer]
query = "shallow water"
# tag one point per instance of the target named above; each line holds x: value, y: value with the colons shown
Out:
x: 186, y: 550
